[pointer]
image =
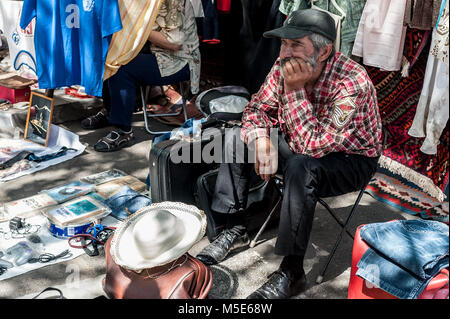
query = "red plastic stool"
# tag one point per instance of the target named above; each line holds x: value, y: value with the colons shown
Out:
x: 358, y: 288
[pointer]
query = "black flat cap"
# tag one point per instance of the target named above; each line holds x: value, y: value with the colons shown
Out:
x: 301, y: 23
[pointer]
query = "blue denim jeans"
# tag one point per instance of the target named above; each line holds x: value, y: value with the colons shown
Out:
x: 142, y: 70
x: 404, y: 255
x: 126, y: 202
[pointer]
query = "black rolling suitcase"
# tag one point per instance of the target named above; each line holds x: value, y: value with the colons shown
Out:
x: 175, y: 180
x: 175, y: 166
x: 262, y: 198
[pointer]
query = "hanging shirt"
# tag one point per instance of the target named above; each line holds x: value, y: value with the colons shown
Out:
x: 381, y: 34
x: 432, y: 110
x: 340, y: 115
x: 337, y: 21
x: 422, y: 14
x: 350, y: 10
x: 71, y: 40
x: 20, y: 41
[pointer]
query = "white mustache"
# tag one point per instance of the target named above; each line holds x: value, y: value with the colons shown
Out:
x: 312, y: 61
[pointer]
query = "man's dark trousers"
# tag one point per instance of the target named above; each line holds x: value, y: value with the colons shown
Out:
x: 305, y: 180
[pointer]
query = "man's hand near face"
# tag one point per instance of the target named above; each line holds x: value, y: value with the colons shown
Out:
x: 266, y: 158
x: 296, y: 74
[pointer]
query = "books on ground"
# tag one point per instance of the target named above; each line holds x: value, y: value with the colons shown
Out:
x: 108, y: 189
x: 26, y: 207
x: 103, y: 177
x: 69, y: 191
x: 81, y: 210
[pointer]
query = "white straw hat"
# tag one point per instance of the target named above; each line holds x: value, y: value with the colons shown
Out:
x: 156, y: 235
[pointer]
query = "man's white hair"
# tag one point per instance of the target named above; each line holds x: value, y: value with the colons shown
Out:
x: 319, y: 41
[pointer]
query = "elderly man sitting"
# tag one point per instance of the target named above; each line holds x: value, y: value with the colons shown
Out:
x: 329, y: 142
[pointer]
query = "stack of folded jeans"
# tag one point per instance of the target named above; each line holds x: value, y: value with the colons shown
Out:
x: 126, y: 202
x: 404, y: 256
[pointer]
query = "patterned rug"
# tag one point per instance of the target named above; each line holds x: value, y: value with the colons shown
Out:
x: 397, y: 99
x: 397, y: 192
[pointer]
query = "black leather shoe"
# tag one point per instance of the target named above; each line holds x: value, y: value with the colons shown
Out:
x: 227, y: 240
x: 281, y: 285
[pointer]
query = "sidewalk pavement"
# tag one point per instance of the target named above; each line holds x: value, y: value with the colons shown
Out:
x: 236, y: 277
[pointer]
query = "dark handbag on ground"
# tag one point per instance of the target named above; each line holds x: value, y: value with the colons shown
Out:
x: 185, y: 278
x: 262, y: 197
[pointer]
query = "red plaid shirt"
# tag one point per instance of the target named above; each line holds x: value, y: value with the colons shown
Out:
x: 339, y: 115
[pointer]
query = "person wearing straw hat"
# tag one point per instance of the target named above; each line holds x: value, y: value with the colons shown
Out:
x: 322, y: 107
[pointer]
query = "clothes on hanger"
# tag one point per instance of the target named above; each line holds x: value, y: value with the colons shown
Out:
x: 287, y: 6
x: 440, y: 45
x: 432, y: 111
x: 224, y: 5
x: 257, y: 54
x: 22, y: 56
x: 422, y: 14
x: 210, y: 23
x: 198, y: 8
x: 350, y: 10
x: 72, y: 40
x: 337, y: 20
x: 381, y: 35
x: 138, y: 17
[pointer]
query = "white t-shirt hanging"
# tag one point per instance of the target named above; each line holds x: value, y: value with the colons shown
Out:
x: 20, y: 41
x: 432, y: 111
x: 381, y: 35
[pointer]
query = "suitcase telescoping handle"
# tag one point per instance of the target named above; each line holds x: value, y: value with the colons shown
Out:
x: 222, y: 118
x: 210, y: 123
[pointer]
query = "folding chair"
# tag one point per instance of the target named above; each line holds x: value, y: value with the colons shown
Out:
x: 147, y: 115
x: 279, y: 183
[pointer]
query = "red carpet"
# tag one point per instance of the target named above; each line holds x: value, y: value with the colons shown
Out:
x: 397, y: 99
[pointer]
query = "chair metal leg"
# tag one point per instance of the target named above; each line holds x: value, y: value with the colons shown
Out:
x: 183, y: 101
x: 338, y: 241
x: 253, y: 242
x: 337, y: 219
x: 344, y: 225
x: 279, y: 187
x: 146, y: 116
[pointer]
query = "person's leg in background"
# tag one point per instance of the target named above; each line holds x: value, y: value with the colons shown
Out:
x: 142, y: 70
x: 210, y: 25
x: 100, y: 119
